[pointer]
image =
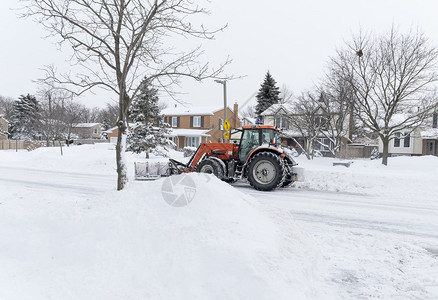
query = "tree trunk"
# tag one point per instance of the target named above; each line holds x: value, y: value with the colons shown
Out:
x: 385, y: 142
x: 120, y: 156
x: 122, y: 124
x: 147, y: 153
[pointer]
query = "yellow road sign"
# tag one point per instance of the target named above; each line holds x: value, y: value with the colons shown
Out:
x: 226, y: 125
x: 227, y: 135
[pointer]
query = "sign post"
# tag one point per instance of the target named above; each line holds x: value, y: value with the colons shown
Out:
x: 224, y: 83
x: 227, y: 128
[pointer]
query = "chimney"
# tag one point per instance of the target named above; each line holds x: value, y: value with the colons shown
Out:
x: 236, y: 115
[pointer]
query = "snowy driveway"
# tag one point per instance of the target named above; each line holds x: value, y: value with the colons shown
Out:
x: 375, y: 247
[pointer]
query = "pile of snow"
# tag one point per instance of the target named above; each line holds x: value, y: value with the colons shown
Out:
x: 402, y: 177
x: 68, y: 234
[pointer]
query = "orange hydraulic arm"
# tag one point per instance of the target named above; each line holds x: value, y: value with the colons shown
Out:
x: 223, y: 151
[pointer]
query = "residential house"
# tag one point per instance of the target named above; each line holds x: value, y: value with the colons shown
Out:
x: 111, y: 134
x: 281, y: 115
x: 247, y: 121
x: 87, y: 130
x: 3, y: 127
x: 420, y: 141
x: 194, y: 125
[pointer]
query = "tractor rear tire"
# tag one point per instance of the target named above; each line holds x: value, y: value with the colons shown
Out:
x: 266, y: 171
x: 210, y: 166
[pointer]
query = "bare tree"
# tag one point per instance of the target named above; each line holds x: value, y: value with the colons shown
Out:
x: 53, y: 112
x: 73, y: 115
x: 108, y: 116
x: 7, y: 106
x: 309, y: 119
x: 286, y: 95
x: 337, y: 101
x: 118, y: 43
x: 335, y: 107
x: 392, y: 77
x: 249, y: 112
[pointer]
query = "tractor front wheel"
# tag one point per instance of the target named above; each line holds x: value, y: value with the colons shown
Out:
x: 266, y: 171
x: 210, y: 166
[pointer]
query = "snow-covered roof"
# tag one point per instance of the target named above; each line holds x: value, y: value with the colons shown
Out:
x: 111, y: 130
x: 85, y: 125
x: 248, y: 119
x: 295, y: 133
x: 275, y: 108
x: 430, y: 133
x: 192, y: 111
x: 365, y: 140
x: 291, y: 133
x: 187, y: 132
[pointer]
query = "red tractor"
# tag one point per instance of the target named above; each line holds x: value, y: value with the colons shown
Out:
x: 257, y: 157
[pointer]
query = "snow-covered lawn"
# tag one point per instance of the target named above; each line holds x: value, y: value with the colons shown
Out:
x: 361, y: 232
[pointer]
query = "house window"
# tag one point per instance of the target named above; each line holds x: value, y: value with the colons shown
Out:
x: 407, y: 140
x: 435, y: 120
x: 174, y: 121
x: 197, y: 121
x: 221, y: 124
x: 321, y: 122
x: 95, y: 130
x: 323, y: 145
x: 281, y: 122
x: 402, y: 139
x: 397, y: 139
x: 192, y: 141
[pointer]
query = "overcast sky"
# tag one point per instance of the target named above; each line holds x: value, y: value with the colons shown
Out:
x: 292, y: 39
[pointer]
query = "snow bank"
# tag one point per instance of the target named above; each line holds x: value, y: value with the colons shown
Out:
x: 61, y: 242
x: 403, y: 177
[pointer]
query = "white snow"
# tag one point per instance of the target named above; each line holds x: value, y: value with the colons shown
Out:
x: 367, y: 231
x: 187, y: 132
x: 431, y: 133
x: 85, y: 125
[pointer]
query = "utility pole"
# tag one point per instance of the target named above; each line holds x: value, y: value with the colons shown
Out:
x: 224, y: 83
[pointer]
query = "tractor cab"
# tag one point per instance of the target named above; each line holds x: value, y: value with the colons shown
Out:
x: 254, y: 137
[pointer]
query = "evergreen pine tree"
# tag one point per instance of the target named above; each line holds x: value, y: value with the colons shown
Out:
x: 25, y: 118
x: 268, y: 94
x: 149, y: 128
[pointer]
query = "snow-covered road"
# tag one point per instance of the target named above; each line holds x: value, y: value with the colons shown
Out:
x: 64, y: 181
x: 373, y: 230
x: 373, y: 245
x: 354, y: 211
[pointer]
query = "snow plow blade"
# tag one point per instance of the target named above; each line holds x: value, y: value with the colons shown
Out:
x: 155, y: 170
x: 298, y: 173
x: 151, y: 170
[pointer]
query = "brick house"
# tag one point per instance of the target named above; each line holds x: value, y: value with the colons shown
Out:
x: 195, y: 125
x: 112, y: 134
